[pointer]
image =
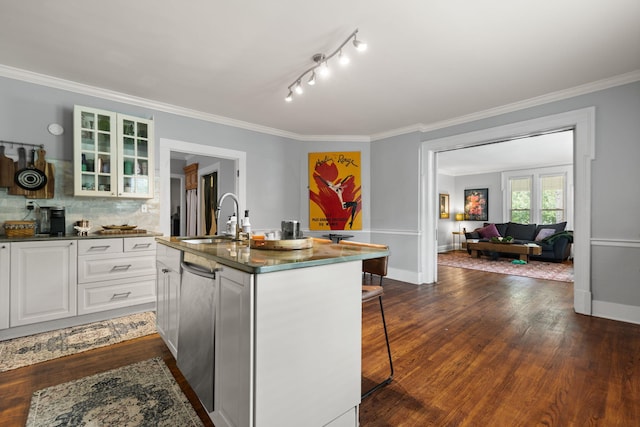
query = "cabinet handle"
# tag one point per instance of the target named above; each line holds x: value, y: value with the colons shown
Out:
x: 120, y: 267
x: 101, y: 248
x: 141, y: 245
x: 121, y: 295
x: 165, y: 270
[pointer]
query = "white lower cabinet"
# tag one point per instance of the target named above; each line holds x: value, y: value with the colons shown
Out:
x: 233, y: 369
x: 287, y: 347
x: 115, y: 273
x: 168, y: 295
x: 43, y: 281
x: 5, y: 259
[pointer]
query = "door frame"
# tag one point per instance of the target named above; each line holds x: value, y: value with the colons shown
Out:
x: 167, y: 146
x: 583, y: 123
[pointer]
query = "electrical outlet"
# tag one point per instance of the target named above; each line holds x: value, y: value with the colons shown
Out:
x: 30, y: 205
x: 144, y: 208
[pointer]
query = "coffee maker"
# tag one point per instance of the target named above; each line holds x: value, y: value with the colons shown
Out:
x: 52, y: 220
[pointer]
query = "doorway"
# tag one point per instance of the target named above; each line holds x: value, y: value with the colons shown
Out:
x: 175, y: 148
x: 583, y: 122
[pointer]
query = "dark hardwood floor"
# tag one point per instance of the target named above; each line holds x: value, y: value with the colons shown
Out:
x: 475, y: 349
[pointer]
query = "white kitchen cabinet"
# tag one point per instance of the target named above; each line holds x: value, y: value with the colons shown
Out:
x: 233, y: 369
x: 43, y: 281
x: 5, y: 259
x: 115, y: 273
x: 287, y: 347
x: 113, y: 154
x: 168, y: 295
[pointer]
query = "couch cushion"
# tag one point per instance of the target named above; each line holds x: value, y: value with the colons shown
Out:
x: 544, y: 232
x: 489, y: 231
x: 521, y: 231
x: 472, y: 234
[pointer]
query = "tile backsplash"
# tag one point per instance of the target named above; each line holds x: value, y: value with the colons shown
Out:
x: 98, y: 210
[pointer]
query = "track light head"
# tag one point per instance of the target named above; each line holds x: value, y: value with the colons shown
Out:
x: 312, y: 79
x: 342, y: 58
x: 359, y: 45
x: 324, y: 70
x: 289, y: 97
x: 298, y: 88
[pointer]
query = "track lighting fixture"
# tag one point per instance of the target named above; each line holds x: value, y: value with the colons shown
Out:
x: 321, y: 64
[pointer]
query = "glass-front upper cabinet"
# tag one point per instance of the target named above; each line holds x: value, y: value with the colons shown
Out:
x: 113, y: 154
x: 134, y: 155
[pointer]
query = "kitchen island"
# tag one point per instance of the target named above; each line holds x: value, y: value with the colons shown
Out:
x: 287, y: 331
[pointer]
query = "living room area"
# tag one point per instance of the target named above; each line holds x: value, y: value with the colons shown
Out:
x: 507, y: 206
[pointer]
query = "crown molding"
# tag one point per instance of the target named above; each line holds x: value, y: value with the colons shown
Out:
x: 560, y: 95
x: 57, y: 83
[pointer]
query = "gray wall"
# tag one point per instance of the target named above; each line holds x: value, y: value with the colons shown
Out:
x: 615, y: 234
x: 277, y: 174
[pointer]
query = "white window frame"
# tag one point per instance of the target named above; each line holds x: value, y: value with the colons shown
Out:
x: 536, y: 193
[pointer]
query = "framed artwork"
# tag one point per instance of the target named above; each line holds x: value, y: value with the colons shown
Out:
x: 444, y: 206
x: 335, y: 193
x: 476, y: 204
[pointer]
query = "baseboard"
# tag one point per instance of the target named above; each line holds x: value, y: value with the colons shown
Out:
x: 403, y: 275
x: 615, y: 311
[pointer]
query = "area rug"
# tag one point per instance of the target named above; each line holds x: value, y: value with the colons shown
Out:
x: 562, y: 272
x: 19, y: 352
x: 142, y: 394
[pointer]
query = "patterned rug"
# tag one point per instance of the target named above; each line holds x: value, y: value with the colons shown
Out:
x: 562, y: 272
x: 24, y: 351
x: 142, y: 394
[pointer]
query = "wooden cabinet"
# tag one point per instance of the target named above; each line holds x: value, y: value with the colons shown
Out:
x: 113, y: 154
x: 5, y: 259
x: 191, y: 176
x: 168, y: 295
x: 115, y: 273
x: 43, y: 281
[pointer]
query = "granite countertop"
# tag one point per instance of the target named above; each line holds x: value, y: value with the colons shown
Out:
x: 43, y: 237
x: 239, y: 255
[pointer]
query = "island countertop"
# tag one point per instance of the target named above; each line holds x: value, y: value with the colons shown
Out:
x: 239, y: 254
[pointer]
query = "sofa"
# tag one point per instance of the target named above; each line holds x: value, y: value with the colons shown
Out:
x: 554, y: 240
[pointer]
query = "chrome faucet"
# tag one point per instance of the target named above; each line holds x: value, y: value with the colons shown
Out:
x: 217, y: 214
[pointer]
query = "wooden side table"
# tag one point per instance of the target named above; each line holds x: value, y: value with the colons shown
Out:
x: 459, y: 234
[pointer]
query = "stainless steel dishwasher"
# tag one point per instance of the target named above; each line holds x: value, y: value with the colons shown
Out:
x: 196, y: 329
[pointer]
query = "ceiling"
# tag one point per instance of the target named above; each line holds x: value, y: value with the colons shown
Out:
x: 428, y: 61
x: 553, y: 149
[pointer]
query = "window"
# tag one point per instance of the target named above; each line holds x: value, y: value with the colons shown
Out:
x: 520, y: 200
x: 553, y: 199
x: 538, y: 196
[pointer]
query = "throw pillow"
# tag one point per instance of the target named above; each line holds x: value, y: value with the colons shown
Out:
x: 557, y: 227
x: 489, y: 231
x: 544, y: 233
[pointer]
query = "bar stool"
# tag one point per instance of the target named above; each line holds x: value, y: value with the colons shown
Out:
x: 378, y: 267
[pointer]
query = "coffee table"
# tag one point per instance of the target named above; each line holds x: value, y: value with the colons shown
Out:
x: 512, y: 248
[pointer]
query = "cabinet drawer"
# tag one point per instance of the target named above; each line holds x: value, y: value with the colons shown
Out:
x: 99, y: 246
x: 115, y: 294
x: 138, y: 244
x: 95, y: 268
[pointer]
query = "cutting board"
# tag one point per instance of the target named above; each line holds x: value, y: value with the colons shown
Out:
x: 7, y: 169
x: 48, y: 190
x: 15, y: 189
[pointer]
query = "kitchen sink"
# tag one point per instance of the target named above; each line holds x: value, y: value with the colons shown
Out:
x: 205, y: 240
